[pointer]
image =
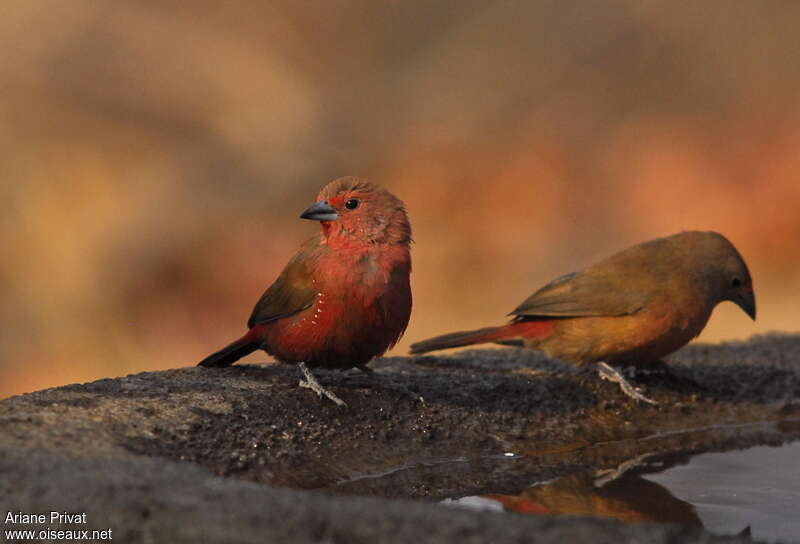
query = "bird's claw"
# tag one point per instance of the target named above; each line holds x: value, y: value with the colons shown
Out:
x: 320, y: 391
x: 311, y: 383
x: 611, y: 374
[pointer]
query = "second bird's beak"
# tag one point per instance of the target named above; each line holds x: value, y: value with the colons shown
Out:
x: 746, y: 300
x: 320, y: 211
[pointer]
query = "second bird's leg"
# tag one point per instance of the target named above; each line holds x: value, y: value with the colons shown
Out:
x: 393, y: 384
x: 603, y: 477
x: 611, y: 374
x: 312, y: 383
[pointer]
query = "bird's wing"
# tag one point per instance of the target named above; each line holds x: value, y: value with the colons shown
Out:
x: 583, y: 294
x: 292, y: 292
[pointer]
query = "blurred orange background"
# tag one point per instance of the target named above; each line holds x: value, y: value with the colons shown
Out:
x: 156, y: 155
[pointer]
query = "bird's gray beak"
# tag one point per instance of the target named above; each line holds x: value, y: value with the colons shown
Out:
x: 746, y: 300
x: 320, y: 211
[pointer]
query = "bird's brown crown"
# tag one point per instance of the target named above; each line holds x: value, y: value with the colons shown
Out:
x: 713, y: 262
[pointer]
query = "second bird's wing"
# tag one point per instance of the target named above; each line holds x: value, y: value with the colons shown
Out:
x: 582, y: 295
x: 292, y: 292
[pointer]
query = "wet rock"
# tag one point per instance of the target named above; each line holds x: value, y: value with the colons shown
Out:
x: 183, y: 455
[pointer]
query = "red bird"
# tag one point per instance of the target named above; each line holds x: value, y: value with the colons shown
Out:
x: 633, y: 308
x: 345, y: 297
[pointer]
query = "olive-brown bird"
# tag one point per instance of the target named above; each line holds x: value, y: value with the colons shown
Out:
x: 345, y: 297
x: 635, y: 307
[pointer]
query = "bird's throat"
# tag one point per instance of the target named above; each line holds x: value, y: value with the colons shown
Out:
x: 328, y: 228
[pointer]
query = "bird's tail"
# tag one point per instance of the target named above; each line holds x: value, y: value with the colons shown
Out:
x: 231, y: 353
x: 510, y: 334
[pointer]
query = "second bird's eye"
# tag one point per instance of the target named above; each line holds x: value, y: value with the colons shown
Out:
x: 736, y: 282
x: 351, y: 204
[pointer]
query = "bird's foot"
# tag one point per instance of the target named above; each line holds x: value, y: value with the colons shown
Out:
x: 392, y: 384
x: 311, y: 383
x: 604, y: 477
x: 611, y: 374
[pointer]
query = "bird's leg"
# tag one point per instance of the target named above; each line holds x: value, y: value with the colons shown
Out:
x: 611, y: 374
x: 400, y: 388
x: 604, y: 477
x: 312, y: 383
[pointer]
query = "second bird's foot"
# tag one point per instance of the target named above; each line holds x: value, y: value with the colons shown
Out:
x: 611, y: 374
x: 311, y: 382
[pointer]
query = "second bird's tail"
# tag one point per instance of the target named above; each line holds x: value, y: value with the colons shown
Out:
x: 512, y: 334
x: 458, y: 339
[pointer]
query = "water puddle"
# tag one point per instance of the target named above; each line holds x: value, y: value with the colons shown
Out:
x: 760, y: 486
x: 729, y: 492
x: 728, y: 479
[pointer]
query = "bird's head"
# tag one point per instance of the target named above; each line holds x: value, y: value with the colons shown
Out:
x: 352, y: 210
x: 725, y: 272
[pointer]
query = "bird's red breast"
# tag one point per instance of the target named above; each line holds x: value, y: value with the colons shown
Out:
x: 361, y: 306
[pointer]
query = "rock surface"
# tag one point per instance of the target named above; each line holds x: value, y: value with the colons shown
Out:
x: 183, y: 455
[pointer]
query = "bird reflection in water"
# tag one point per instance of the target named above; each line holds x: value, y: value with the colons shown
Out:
x: 621, y: 493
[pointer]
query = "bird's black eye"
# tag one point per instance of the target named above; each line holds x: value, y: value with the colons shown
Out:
x: 736, y: 282
x: 352, y: 204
